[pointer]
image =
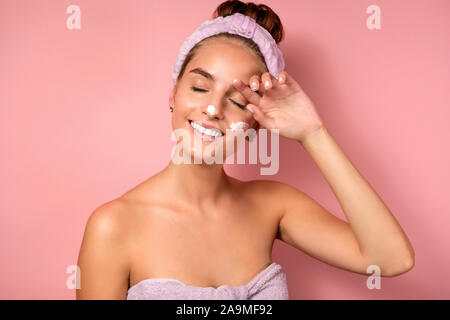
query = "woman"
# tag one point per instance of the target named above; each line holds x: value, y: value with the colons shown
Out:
x: 191, y: 231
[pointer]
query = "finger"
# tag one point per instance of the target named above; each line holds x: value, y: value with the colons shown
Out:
x: 269, y: 81
x: 286, y: 78
x: 260, y: 116
x: 249, y: 94
x: 282, y: 76
x: 261, y: 89
x: 254, y: 82
x: 266, y: 80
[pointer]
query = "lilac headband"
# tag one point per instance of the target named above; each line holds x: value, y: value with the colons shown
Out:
x: 236, y: 24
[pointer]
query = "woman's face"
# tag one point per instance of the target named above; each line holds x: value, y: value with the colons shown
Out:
x: 207, y: 80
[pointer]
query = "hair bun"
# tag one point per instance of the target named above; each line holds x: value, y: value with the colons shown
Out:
x: 262, y: 14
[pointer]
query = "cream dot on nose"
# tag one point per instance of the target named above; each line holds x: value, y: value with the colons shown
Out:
x: 211, y: 109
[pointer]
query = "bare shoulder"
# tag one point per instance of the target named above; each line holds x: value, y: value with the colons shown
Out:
x: 103, y: 257
x: 109, y: 220
x: 284, y: 192
x: 283, y: 198
x: 273, y: 190
x: 261, y: 186
x: 272, y: 195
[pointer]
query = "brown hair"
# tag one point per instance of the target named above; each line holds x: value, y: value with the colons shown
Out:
x: 262, y: 14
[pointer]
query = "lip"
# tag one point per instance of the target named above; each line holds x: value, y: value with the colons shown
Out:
x: 205, y: 125
x: 204, y: 137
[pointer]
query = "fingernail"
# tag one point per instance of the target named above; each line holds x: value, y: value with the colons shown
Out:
x: 250, y: 109
x: 267, y: 84
x: 235, y: 81
x: 254, y: 86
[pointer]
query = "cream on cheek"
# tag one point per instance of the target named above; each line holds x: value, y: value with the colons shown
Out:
x: 234, y: 125
x: 242, y: 125
x: 238, y: 125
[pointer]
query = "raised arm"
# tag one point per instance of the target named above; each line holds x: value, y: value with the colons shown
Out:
x: 372, y: 236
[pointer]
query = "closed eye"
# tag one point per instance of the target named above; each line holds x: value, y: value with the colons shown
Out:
x: 198, y: 89
x: 238, y: 104
x: 203, y: 90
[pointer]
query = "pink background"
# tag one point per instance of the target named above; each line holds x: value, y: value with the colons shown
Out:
x: 84, y: 118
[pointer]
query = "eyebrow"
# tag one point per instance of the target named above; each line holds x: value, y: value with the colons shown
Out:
x: 204, y: 73
x: 209, y: 76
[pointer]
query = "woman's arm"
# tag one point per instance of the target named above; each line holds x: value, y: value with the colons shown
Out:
x: 372, y: 236
x: 103, y: 257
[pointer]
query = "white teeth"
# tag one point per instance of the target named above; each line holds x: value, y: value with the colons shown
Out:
x: 209, y: 132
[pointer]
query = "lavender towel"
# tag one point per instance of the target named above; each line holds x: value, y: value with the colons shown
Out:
x: 269, y: 284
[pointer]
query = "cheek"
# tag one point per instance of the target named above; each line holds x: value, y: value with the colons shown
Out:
x: 239, y: 125
x: 255, y: 124
x: 186, y: 102
x: 252, y: 123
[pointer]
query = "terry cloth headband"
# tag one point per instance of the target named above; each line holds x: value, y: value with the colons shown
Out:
x: 242, y: 25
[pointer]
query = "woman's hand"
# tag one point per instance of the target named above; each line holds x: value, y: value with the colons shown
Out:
x: 282, y: 105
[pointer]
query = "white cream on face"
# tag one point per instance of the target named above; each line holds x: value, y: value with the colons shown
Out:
x: 242, y: 125
x: 238, y: 125
x: 211, y: 109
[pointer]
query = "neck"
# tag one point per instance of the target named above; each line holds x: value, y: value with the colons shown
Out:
x: 200, y: 185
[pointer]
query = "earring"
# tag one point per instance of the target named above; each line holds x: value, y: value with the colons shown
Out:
x: 171, y: 109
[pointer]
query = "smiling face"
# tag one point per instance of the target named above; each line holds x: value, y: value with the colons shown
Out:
x: 207, y: 80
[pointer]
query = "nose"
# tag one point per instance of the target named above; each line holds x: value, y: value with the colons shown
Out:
x: 214, y: 110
